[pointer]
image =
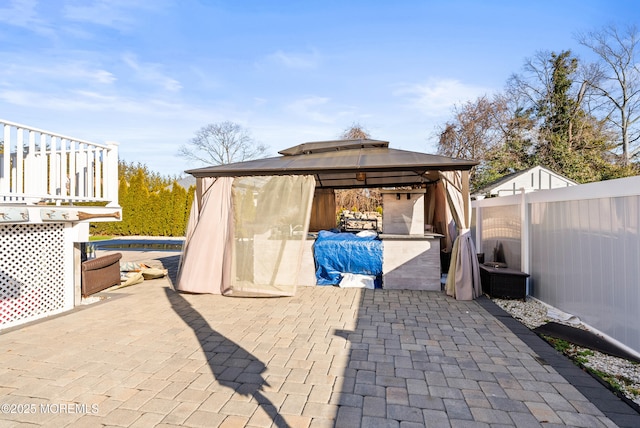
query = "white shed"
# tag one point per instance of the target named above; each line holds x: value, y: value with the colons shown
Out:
x: 531, y: 180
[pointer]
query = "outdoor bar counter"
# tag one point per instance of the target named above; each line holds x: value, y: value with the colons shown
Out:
x: 409, y: 262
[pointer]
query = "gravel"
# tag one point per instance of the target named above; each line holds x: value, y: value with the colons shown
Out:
x: 533, y: 313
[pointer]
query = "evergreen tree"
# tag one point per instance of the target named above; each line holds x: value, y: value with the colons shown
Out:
x: 151, y: 205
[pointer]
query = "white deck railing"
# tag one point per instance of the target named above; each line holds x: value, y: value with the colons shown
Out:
x: 42, y: 166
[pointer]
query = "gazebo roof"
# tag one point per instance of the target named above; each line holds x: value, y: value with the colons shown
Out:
x: 345, y: 164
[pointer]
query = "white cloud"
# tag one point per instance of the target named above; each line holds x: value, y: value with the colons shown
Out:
x: 150, y: 73
x: 301, y: 61
x: 97, y: 107
x: 259, y: 101
x: 44, y: 80
x: 19, y: 13
x: 436, y: 97
x: 204, y: 78
x: 101, y: 76
x: 116, y: 14
x: 309, y: 108
x: 71, y: 102
x: 23, y: 13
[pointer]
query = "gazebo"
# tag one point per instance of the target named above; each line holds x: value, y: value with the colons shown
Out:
x: 232, y: 247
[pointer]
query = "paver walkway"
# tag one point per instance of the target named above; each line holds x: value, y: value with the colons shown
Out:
x: 148, y: 356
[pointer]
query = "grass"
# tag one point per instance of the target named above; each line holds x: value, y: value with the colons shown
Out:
x: 580, y: 358
x: 559, y: 344
x: 100, y: 238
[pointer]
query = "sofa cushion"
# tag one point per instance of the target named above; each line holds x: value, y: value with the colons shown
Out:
x: 101, y: 262
x: 100, y: 273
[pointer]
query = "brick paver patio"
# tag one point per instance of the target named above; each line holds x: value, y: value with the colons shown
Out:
x: 148, y: 356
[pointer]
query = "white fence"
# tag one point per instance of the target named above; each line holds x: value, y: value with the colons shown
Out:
x: 42, y: 166
x: 581, y: 246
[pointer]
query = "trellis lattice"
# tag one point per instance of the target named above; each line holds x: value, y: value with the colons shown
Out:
x: 31, y: 272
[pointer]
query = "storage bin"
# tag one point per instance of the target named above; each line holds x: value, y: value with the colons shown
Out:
x: 503, y: 283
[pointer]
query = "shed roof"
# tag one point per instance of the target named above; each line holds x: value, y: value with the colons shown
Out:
x: 530, y: 179
x: 335, y: 164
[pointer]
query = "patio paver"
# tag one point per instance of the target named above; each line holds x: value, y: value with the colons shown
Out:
x: 325, y: 357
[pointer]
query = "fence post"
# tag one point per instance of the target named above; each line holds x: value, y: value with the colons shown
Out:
x: 525, y: 247
x: 478, y: 227
x: 111, y: 174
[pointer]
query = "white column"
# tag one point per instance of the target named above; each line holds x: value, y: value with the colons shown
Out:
x: 111, y: 174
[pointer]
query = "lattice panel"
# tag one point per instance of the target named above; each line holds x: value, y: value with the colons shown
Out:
x: 31, y: 272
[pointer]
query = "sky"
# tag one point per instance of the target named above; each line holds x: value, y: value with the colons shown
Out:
x: 149, y: 74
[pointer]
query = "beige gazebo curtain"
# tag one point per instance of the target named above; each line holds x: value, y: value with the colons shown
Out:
x: 463, y: 279
x: 246, y: 235
x: 271, y: 223
x: 205, y: 264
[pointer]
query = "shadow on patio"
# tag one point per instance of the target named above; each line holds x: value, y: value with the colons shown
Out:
x: 231, y: 365
x: 362, y: 358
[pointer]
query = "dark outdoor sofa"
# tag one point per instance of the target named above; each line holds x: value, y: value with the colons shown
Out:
x: 100, y: 273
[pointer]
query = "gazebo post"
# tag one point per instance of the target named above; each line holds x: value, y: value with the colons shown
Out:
x: 466, y: 197
x: 199, y: 191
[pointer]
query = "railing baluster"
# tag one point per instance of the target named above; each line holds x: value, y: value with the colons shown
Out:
x: 43, y: 165
x: 4, y: 165
x: 18, y: 184
x: 31, y: 173
x: 53, y: 170
x: 81, y: 171
x: 98, y: 154
x: 71, y: 175
x: 88, y: 176
x: 5, y: 168
x: 64, y: 175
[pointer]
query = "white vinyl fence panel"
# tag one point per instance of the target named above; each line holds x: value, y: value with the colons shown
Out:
x: 581, y: 246
x: 585, y: 256
x: 501, y: 229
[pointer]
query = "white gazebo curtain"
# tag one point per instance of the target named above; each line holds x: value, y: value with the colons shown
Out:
x: 247, y: 236
x: 463, y: 279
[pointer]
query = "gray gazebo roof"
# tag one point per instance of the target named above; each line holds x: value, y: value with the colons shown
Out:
x: 336, y: 163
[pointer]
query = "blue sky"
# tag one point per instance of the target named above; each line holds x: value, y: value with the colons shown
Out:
x: 149, y: 73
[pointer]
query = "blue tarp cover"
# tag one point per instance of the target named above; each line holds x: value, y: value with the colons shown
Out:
x: 337, y: 253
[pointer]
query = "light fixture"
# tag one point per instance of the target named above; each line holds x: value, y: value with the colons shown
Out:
x: 361, y: 176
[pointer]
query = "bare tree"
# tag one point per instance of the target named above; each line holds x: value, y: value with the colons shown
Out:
x: 475, y: 129
x: 531, y: 88
x: 222, y: 143
x: 355, y: 132
x: 618, y: 81
x: 480, y: 130
x: 359, y: 199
